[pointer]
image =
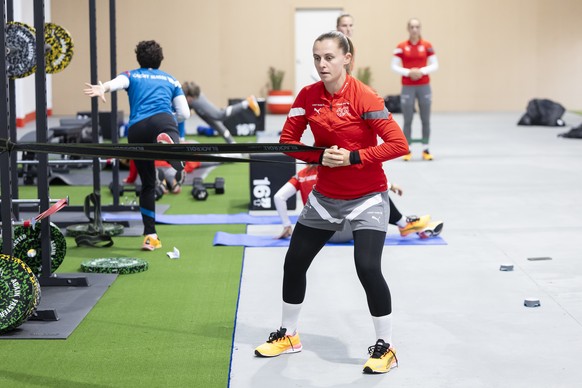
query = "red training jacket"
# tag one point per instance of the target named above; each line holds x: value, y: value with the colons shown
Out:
x: 352, y: 119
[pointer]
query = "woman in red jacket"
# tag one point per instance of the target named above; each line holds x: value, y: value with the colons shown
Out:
x: 346, y: 117
x: 414, y: 59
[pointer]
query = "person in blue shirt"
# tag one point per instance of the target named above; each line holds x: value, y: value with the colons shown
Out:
x: 156, y: 103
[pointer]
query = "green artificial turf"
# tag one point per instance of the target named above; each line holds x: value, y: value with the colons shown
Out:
x: 170, y: 326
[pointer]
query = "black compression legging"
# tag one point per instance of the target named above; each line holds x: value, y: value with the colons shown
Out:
x: 395, y: 215
x: 146, y: 131
x: 306, y: 242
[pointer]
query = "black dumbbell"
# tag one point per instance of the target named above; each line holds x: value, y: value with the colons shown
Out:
x: 218, y: 185
x: 129, y: 187
x: 199, y: 191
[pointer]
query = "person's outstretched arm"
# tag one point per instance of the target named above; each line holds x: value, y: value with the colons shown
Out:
x: 99, y: 90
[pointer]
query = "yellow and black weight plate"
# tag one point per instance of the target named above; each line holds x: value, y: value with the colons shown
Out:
x: 58, y: 48
x: 19, y: 293
x: 27, y: 247
x: 119, y: 265
x: 20, y: 50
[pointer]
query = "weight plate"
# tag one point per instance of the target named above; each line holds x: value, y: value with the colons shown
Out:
x: 58, y: 48
x: 82, y: 229
x: 19, y: 293
x: 119, y: 265
x: 20, y: 50
x: 27, y: 247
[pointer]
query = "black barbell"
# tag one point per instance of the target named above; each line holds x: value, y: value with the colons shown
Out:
x: 21, y: 49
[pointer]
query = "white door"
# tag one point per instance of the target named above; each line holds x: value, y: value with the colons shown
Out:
x: 309, y: 24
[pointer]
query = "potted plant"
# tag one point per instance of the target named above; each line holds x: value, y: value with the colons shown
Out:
x: 364, y: 74
x: 276, y: 78
x: 279, y: 101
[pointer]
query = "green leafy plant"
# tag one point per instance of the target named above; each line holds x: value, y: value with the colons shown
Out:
x: 276, y: 78
x: 364, y: 74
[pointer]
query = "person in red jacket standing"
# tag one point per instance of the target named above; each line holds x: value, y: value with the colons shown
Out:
x: 414, y: 59
x: 346, y: 117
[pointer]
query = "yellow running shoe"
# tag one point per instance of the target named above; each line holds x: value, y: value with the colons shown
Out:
x: 426, y: 155
x: 254, y: 105
x: 414, y: 224
x: 150, y: 243
x: 382, y: 358
x: 279, y: 343
x: 407, y: 157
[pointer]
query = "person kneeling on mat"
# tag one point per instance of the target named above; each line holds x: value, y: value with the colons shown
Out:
x: 156, y: 103
x: 166, y: 175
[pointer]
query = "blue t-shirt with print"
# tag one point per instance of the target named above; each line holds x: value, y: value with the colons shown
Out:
x: 150, y: 92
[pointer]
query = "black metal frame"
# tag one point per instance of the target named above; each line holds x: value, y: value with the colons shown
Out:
x: 9, y: 176
x: 5, y: 159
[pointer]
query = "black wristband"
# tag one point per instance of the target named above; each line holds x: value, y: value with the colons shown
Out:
x: 355, y: 157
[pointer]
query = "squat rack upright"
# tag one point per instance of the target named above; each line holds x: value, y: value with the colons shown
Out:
x: 8, y: 161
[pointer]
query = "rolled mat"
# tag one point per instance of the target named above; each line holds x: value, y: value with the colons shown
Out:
x: 199, y: 219
x: 246, y: 240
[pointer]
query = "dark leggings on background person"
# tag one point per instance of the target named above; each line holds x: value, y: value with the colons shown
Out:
x: 395, y: 215
x: 368, y: 246
x: 146, y: 131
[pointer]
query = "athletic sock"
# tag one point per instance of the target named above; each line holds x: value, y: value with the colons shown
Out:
x: 425, y: 148
x: 383, y: 326
x: 290, y: 317
x: 402, y: 222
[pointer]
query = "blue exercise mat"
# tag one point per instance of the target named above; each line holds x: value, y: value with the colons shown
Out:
x: 199, y: 219
x: 246, y: 240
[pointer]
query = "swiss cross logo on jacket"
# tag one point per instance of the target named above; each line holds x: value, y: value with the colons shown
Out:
x: 343, y: 111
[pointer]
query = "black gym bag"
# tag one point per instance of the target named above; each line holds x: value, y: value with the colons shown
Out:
x: 543, y: 112
x: 574, y: 133
x: 392, y: 103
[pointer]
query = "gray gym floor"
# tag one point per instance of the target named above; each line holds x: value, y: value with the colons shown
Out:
x: 506, y: 194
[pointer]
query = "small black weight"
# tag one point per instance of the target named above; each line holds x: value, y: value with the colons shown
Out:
x: 199, y: 191
x: 126, y: 187
x: 218, y: 185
